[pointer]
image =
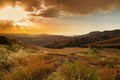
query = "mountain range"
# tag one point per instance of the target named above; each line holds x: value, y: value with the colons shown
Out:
x: 95, y: 38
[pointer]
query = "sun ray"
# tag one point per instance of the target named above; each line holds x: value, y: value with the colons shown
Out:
x: 11, y: 13
x: 16, y: 14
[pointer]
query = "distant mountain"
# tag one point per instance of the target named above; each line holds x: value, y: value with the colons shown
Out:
x: 59, y: 41
x: 40, y: 39
x: 97, y: 36
x: 87, y: 39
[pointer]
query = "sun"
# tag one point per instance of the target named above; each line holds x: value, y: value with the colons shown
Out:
x: 16, y: 14
x: 17, y: 19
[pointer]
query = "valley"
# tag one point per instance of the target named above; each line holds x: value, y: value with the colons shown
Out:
x: 26, y: 57
x: 18, y: 62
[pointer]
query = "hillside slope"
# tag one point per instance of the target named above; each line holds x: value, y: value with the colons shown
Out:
x: 111, y: 43
x: 92, y: 37
x: 59, y: 41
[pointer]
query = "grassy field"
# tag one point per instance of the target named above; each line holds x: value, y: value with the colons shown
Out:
x: 19, y: 63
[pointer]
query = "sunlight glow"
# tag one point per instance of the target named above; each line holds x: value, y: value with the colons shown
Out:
x: 14, y: 14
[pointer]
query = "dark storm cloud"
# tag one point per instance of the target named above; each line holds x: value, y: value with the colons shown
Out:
x: 82, y: 6
x: 49, y: 12
x: 55, y: 7
x: 28, y: 4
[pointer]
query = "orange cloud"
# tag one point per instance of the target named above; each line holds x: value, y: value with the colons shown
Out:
x: 53, y: 8
x: 82, y: 7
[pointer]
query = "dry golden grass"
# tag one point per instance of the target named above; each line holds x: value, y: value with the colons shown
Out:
x: 28, y: 65
x: 106, y: 73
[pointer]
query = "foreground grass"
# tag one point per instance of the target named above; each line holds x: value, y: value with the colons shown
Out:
x: 18, y: 63
x: 77, y: 71
x: 30, y: 67
x: 25, y: 65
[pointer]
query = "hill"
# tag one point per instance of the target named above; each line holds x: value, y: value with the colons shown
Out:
x: 92, y: 37
x: 59, y: 41
x: 19, y: 61
x: 40, y: 39
x: 111, y: 43
x: 15, y: 45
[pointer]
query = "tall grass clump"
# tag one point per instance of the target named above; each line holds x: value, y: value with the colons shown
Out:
x: 76, y: 71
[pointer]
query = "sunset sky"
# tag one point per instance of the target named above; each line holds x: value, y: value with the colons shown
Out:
x: 63, y: 17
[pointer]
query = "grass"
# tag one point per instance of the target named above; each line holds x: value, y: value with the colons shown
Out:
x: 25, y: 64
x: 32, y: 67
x: 89, y: 53
x: 77, y: 71
x: 17, y: 64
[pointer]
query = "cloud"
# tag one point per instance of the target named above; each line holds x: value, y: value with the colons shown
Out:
x: 5, y: 26
x: 48, y: 12
x: 53, y: 8
x: 82, y: 7
x: 28, y: 4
